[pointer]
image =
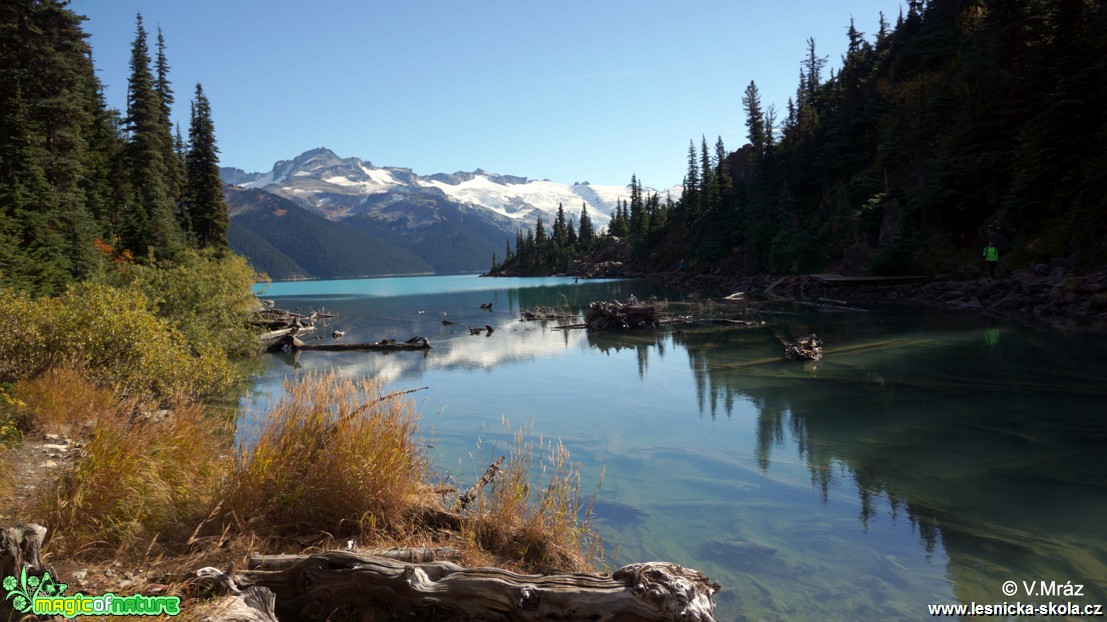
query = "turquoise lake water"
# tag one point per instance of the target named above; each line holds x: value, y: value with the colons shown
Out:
x: 927, y: 459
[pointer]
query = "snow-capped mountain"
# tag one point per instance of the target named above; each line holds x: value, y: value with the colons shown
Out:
x: 342, y: 187
x: 322, y: 216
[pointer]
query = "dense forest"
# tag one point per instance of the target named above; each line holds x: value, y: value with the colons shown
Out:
x: 83, y: 185
x: 963, y: 122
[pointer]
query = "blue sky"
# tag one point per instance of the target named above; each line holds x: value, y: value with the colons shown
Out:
x: 568, y: 90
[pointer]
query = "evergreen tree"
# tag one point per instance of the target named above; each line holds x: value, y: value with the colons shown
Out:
x: 756, y: 130
x: 689, y: 199
x: 559, y: 233
x: 618, y: 227
x: 540, y: 238
x: 205, y: 206
x: 709, y: 187
x: 174, y: 161
x: 149, y: 223
x: 813, y: 66
x: 47, y: 101
x: 587, y: 233
x: 722, y: 174
x: 636, y: 217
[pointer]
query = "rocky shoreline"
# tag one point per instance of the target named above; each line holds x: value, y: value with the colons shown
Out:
x: 1052, y: 294
x: 1039, y: 296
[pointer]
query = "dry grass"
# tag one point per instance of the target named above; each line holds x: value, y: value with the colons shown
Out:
x: 8, y: 471
x: 534, y: 529
x: 139, y: 478
x: 334, y: 456
x: 61, y: 400
x: 333, y: 459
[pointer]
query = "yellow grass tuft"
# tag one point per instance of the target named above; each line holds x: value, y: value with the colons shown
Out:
x: 61, y: 400
x: 334, y: 456
x: 139, y: 477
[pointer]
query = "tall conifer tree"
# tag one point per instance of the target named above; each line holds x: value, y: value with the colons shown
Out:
x: 149, y: 223
x: 586, y: 232
x: 203, y: 197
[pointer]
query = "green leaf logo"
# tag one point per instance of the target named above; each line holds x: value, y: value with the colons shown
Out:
x: 22, y: 591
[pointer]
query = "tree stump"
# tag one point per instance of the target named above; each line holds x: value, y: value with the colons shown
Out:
x: 809, y: 348
x: 338, y: 585
x: 20, y: 547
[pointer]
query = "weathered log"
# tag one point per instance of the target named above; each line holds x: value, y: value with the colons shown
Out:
x: 411, y: 554
x: 273, y: 335
x: 348, y: 586
x: 254, y: 604
x: 470, y: 495
x: 386, y: 345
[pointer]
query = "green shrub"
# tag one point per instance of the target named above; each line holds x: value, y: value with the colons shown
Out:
x: 112, y: 334
x: 206, y: 297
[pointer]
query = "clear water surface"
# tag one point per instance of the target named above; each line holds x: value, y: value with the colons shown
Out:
x: 927, y: 459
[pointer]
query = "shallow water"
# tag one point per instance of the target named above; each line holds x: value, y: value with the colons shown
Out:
x: 926, y: 460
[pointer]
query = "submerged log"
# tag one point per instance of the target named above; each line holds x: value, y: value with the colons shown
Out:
x: 343, y: 585
x: 616, y: 315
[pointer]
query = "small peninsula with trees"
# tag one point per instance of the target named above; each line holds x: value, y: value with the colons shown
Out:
x: 957, y: 125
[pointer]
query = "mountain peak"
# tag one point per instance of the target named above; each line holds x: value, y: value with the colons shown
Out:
x: 340, y: 188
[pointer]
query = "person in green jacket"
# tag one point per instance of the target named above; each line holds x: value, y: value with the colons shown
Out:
x: 991, y: 257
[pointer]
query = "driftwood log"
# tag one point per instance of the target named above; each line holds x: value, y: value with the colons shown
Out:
x: 538, y: 314
x: 284, y: 326
x: 339, y: 585
x: 291, y: 343
x: 603, y: 315
x: 254, y: 604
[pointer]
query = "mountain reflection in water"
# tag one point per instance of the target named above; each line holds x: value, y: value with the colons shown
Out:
x: 927, y: 458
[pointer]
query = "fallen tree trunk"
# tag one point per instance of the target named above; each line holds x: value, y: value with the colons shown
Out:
x: 387, y: 345
x: 417, y: 554
x: 342, y: 585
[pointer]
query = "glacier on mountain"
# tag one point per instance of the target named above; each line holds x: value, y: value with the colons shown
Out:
x: 330, y: 185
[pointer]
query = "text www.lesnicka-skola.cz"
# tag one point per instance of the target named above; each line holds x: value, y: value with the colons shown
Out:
x: 1007, y: 609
